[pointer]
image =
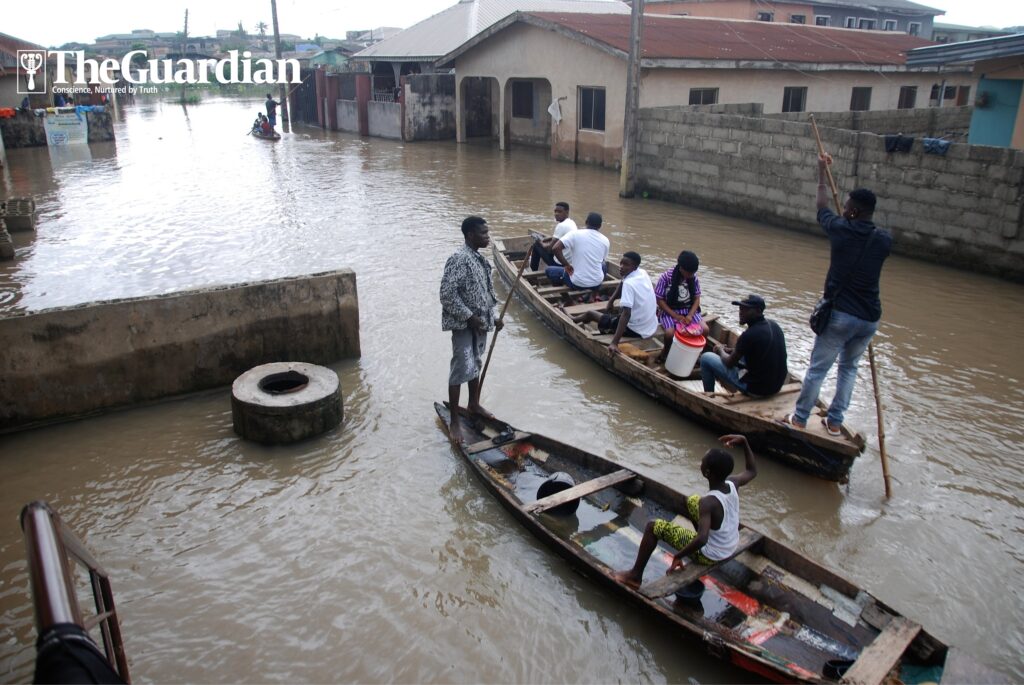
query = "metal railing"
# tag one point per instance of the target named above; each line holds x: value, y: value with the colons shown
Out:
x: 51, y: 548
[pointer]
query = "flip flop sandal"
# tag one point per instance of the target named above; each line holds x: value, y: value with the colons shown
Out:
x: 828, y: 429
x: 788, y: 420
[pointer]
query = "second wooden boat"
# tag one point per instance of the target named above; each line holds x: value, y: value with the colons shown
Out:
x: 811, y: 450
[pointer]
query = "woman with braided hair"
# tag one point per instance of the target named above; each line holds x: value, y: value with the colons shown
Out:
x: 678, y: 297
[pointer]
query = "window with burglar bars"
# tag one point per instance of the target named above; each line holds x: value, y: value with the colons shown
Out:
x: 908, y: 97
x: 794, y: 98
x: 703, y: 96
x: 860, y: 99
x: 522, y: 99
x: 592, y: 108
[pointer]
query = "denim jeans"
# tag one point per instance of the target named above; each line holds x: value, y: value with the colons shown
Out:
x: 712, y: 368
x: 542, y: 253
x: 845, y: 338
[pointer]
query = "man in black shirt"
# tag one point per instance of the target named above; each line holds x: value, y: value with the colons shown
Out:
x: 859, y: 249
x: 760, y: 350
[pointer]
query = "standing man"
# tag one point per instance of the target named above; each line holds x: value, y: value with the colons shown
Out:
x: 760, y: 350
x: 637, y: 317
x: 272, y: 106
x: 859, y: 249
x: 542, y: 246
x: 589, y: 249
x: 467, y: 310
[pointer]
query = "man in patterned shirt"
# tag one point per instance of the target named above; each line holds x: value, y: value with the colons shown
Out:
x: 467, y: 310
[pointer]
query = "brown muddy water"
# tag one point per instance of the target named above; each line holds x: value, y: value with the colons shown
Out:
x: 371, y: 554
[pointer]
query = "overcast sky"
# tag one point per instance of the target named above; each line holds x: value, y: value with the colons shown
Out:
x: 63, y: 21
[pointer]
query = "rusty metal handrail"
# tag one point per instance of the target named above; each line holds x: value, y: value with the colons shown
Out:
x: 50, y: 548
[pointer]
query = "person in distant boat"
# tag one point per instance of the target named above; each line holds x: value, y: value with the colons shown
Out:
x: 760, y: 353
x: 637, y: 310
x: 467, y: 310
x: 59, y: 100
x: 266, y: 127
x: 859, y: 249
x: 542, y: 246
x: 257, y: 125
x: 589, y: 250
x: 715, y: 516
x: 678, y: 295
x: 272, y: 106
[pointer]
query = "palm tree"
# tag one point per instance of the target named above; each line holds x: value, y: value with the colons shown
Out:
x: 261, y: 28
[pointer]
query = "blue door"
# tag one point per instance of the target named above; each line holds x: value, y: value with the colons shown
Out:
x: 992, y: 124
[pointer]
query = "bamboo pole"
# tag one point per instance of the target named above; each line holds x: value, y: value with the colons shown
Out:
x: 504, y: 308
x: 871, y: 350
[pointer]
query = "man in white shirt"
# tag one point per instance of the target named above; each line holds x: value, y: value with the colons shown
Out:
x: 638, y: 306
x: 542, y: 246
x: 589, y: 250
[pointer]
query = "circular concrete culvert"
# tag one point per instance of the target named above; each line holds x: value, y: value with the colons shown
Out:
x: 285, y: 402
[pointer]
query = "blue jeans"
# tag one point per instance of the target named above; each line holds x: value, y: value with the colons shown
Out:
x: 558, y: 276
x: 712, y: 368
x: 845, y: 338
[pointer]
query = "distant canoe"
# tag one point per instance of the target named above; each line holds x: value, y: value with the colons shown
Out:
x: 768, y: 609
x: 811, y: 450
x: 274, y: 135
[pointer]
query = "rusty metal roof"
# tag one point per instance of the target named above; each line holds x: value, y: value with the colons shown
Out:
x: 669, y: 38
x: 9, y: 46
x: 447, y: 30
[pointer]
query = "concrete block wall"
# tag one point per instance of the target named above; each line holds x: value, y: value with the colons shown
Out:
x: 71, y: 361
x: 429, y: 112
x: 963, y: 209
x: 348, y: 116
x: 25, y: 129
x: 385, y: 119
x: 932, y: 122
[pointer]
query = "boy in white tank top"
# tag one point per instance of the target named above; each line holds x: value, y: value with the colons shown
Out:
x: 716, y: 516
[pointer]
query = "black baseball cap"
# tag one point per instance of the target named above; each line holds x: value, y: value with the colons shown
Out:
x: 752, y: 301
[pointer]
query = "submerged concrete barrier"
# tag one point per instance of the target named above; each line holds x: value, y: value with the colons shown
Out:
x: 68, y: 362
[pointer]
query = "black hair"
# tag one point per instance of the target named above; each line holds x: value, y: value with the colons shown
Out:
x: 719, y: 462
x: 687, y: 261
x: 594, y: 219
x: 864, y: 200
x: 472, y: 223
x: 268, y: 95
x: 633, y: 257
x: 563, y: 205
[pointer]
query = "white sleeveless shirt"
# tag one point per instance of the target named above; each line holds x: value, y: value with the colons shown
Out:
x: 723, y: 542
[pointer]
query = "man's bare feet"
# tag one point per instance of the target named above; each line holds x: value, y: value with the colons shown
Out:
x: 627, y: 578
x: 455, y: 431
x: 479, y: 410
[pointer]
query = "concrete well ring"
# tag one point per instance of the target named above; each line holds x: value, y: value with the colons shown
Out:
x: 285, y: 402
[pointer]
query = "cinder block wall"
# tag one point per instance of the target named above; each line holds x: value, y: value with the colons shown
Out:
x: 67, y: 362
x: 25, y: 129
x: 933, y: 122
x: 429, y: 107
x: 963, y: 209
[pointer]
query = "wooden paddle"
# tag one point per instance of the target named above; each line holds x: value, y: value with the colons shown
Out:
x: 871, y: 349
x: 504, y: 308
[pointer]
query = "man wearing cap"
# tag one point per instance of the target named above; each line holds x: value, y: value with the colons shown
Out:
x: 760, y: 351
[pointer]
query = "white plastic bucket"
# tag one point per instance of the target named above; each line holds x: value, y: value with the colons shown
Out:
x: 684, y: 353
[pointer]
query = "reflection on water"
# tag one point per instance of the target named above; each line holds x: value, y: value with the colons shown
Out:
x: 371, y: 554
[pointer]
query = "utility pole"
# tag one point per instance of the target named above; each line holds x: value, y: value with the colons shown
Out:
x: 627, y: 174
x: 184, y: 51
x: 277, y: 52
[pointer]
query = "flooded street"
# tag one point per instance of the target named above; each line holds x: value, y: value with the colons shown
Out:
x: 371, y: 554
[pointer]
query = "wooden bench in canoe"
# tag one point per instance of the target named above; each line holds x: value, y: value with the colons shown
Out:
x: 770, y: 610
x: 811, y: 449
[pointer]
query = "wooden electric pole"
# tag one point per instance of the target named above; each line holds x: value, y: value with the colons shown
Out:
x: 184, y: 51
x: 627, y: 175
x: 277, y: 52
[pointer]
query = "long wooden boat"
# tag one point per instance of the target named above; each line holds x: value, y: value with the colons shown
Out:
x: 768, y: 609
x: 274, y: 135
x: 811, y: 449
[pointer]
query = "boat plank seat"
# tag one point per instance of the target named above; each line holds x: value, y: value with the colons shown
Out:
x: 670, y: 583
x: 490, y: 443
x: 736, y: 398
x: 884, y: 652
x: 576, y: 492
x: 547, y: 290
x: 574, y: 309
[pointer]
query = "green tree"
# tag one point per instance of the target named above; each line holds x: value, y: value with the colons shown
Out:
x: 139, y: 60
x: 241, y: 30
x: 261, y: 28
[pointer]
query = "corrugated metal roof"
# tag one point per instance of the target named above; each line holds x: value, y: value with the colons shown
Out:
x: 9, y: 46
x: 901, y: 6
x: 697, y: 38
x: 968, y: 52
x: 447, y: 30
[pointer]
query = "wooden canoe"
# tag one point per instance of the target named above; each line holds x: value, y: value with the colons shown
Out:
x: 262, y: 136
x: 811, y: 450
x: 768, y: 609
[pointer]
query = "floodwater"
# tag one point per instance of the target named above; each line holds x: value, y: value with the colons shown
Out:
x: 371, y: 554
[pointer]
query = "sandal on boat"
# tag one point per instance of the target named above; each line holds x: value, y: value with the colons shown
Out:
x: 834, y: 432
x: 790, y: 420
